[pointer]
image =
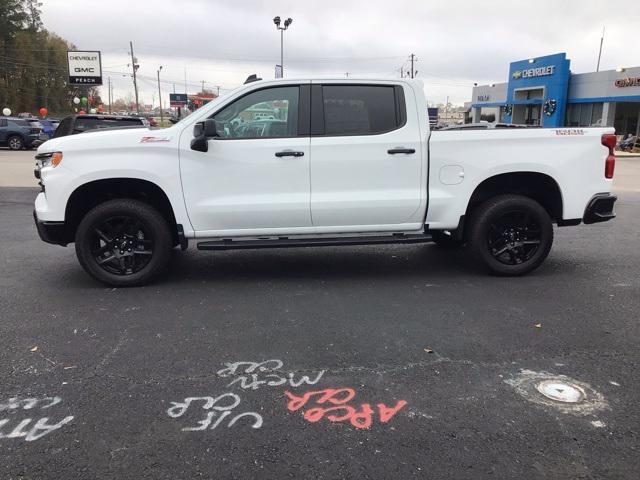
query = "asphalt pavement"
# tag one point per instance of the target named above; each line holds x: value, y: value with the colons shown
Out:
x: 352, y: 362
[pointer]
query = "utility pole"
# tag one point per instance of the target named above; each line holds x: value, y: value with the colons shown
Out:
x: 110, y: 93
x: 160, y: 97
x: 446, y: 110
x: 134, y: 67
x: 185, y: 79
x: 202, y: 86
x: 600, y: 52
x: 413, y: 59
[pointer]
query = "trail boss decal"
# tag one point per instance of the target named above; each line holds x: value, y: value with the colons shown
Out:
x: 154, y: 139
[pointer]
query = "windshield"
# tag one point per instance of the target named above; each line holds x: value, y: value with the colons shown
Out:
x: 215, y: 101
x: 84, y: 124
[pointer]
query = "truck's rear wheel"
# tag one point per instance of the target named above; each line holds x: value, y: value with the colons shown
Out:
x: 123, y: 243
x: 510, y: 234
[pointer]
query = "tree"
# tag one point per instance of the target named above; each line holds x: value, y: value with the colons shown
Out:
x: 33, y: 72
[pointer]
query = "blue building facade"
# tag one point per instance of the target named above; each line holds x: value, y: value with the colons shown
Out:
x: 542, y: 91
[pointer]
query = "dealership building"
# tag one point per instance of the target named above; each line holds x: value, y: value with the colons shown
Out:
x: 542, y: 91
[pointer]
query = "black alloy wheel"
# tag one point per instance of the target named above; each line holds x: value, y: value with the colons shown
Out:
x: 122, y: 245
x: 124, y: 242
x: 510, y: 234
x: 514, y: 237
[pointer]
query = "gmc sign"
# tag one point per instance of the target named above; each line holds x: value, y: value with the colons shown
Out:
x: 85, y: 68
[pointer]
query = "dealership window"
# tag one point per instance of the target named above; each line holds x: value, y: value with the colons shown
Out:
x: 584, y: 115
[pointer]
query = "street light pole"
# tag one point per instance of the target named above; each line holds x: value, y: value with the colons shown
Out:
x: 286, y: 24
x: 160, y: 96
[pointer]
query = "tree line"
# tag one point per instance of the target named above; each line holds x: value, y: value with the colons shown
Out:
x: 33, y: 70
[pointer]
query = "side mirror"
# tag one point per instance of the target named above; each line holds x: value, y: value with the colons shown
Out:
x: 202, y: 132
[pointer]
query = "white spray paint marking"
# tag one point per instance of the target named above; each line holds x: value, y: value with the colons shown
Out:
x: 526, y: 383
x: 252, y: 375
x: 28, y: 428
x: 614, y: 383
x: 221, y: 407
x: 598, y: 423
x: 15, y: 403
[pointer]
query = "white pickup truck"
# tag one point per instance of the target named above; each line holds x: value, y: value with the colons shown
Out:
x: 293, y: 163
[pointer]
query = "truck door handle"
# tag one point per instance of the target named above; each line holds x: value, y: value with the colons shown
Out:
x: 393, y: 151
x: 289, y: 153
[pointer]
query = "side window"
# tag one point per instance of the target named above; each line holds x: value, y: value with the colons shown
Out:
x: 361, y: 109
x: 267, y: 113
x: 3, y: 122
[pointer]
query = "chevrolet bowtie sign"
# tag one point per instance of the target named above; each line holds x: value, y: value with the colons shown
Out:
x: 85, y: 68
x: 534, y: 72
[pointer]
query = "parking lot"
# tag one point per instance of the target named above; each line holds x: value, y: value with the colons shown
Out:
x: 352, y: 362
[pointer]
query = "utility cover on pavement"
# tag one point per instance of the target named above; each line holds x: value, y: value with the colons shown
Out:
x: 561, y: 391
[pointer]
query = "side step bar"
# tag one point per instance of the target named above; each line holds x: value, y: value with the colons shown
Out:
x: 285, y: 242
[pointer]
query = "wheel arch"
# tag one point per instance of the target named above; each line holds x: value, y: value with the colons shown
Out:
x: 92, y: 193
x: 535, y: 185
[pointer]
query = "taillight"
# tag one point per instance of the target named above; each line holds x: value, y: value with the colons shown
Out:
x: 609, y: 140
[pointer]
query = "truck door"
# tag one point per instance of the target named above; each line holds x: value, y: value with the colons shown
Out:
x: 255, y: 174
x: 365, y: 156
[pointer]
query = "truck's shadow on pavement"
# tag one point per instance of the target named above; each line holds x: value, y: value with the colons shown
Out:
x: 427, y: 262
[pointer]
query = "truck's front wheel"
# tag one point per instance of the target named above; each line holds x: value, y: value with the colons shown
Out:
x: 123, y: 243
x: 510, y: 234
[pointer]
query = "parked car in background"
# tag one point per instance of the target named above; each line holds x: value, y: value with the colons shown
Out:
x: 17, y: 133
x: 45, y: 131
x: 83, y: 123
x: 482, y: 126
x: 48, y: 126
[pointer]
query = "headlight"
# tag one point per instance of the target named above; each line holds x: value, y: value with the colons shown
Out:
x: 50, y: 159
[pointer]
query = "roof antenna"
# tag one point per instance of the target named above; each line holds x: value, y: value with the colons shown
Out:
x: 252, y: 78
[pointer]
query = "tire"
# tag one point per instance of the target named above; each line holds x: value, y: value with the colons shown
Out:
x: 15, y: 142
x: 446, y: 242
x: 124, y: 243
x: 510, y: 235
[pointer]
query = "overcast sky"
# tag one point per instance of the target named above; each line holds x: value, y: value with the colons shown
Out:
x: 457, y: 42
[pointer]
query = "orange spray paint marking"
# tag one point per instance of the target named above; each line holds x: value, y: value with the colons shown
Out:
x: 360, y: 416
x: 386, y: 413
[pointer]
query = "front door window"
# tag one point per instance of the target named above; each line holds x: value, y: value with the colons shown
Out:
x: 267, y: 113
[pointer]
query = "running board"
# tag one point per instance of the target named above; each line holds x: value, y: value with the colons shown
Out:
x: 285, y: 242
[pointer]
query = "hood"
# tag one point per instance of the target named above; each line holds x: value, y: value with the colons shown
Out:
x: 106, y: 139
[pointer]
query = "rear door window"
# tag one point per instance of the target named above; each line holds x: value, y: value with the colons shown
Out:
x: 361, y: 109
